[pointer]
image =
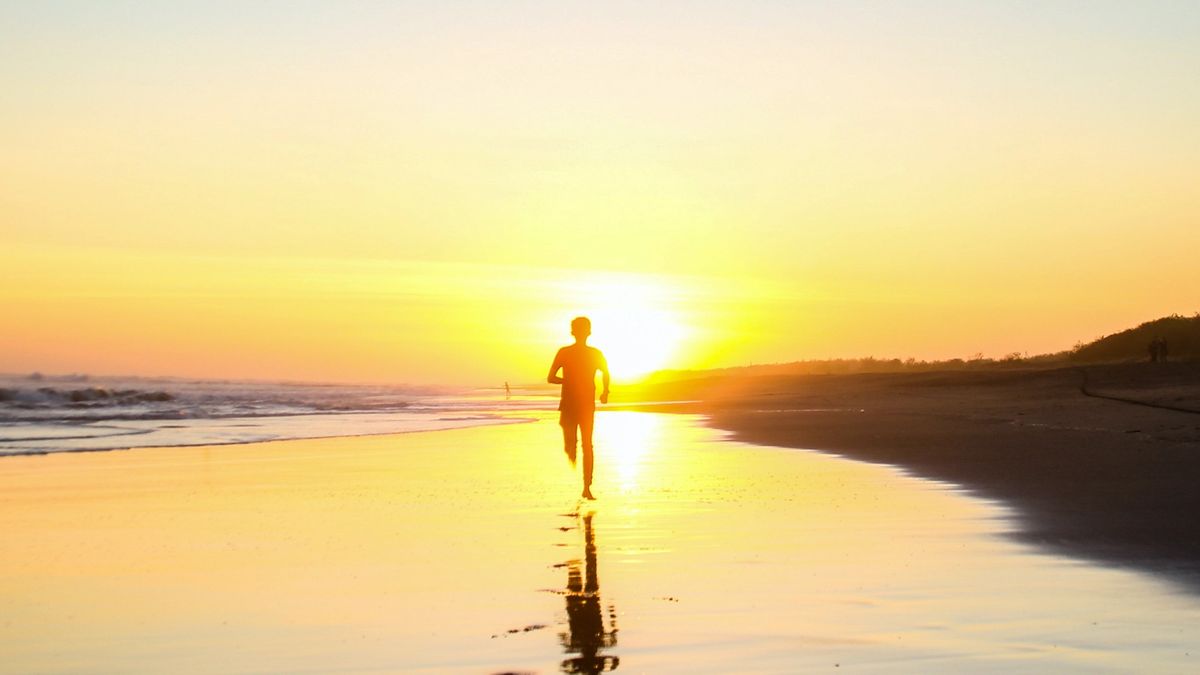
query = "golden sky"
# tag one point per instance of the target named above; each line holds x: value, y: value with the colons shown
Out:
x: 428, y: 193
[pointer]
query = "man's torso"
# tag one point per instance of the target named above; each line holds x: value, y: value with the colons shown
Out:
x: 579, y: 366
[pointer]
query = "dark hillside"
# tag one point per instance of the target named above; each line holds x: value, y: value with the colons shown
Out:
x: 1181, y: 333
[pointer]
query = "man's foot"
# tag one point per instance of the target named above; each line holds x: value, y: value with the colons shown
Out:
x: 587, y: 493
x: 570, y: 456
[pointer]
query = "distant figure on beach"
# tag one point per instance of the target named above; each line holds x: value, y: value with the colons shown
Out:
x: 507, y: 392
x: 1158, y: 349
x: 577, y: 405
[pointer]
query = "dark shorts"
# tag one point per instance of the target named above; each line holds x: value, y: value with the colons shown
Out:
x: 570, y: 415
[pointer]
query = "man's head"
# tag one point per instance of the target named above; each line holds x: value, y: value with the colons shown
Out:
x: 581, y: 327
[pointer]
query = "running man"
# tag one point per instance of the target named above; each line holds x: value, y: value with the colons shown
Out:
x: 577, y: 406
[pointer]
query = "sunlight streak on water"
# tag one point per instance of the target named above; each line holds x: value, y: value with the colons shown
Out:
x: 628, y: 445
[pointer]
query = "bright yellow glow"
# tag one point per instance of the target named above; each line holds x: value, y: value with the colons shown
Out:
x: 330, y: 320
x: 415, y: 198
x: 626, y: 440
x: 633, y: 321
x: 639, y: 339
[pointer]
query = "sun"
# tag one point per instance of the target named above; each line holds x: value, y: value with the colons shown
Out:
x: 637, y: 339
x: 634, y: 323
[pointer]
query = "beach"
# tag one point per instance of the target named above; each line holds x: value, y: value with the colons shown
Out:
x: 886, y: 313
x: 1100, y: 462
x: 468, y: 550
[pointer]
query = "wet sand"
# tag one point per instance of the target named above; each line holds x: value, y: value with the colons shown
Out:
x: 1110, y: 473
x: 469, y: 551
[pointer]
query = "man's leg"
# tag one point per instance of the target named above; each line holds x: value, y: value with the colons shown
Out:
x: 568, y: 425
x: 586, y: 419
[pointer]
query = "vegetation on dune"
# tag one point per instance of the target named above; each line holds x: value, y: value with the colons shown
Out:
x: 1181, y: 333
x: 1182, y: 336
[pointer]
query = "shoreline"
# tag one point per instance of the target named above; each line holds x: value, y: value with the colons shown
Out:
x: 499, y: 420
x: 1102, y: 468
x: 1097, y: 478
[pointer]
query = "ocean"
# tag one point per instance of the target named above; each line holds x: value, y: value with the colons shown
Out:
x: 73, y: 413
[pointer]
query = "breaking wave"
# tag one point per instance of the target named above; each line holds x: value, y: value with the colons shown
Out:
x: 40, y: 414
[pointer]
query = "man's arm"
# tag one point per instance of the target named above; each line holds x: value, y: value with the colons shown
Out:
x: 604, y: 372
x: 553, y: 377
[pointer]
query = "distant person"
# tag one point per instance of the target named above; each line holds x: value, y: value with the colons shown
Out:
x: 577, y: 404
x: 507, y: 392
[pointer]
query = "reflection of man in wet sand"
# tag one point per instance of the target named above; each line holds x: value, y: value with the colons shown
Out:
x: 587, y: 634
x: 577, y: 407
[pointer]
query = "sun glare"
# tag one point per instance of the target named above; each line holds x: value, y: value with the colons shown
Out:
x: 628, y: 439
x: 637, y: 340
x: 633, y: 323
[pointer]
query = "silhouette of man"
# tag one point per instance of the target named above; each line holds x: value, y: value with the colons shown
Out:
x: 577, y: 405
